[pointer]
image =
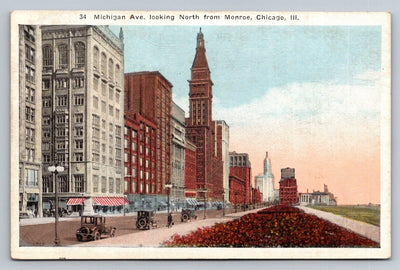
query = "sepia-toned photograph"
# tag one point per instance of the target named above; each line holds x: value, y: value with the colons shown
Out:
x: 200, y: 135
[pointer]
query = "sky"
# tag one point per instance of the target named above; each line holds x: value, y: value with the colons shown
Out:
x: 309, y: 95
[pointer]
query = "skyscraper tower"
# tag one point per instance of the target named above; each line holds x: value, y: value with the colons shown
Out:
x: 199, y: 125
x: 266, y: 181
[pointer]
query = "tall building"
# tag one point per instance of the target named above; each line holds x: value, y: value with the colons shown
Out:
x: 201, y: 129
x: 30, y: 112
x: 266, y: 181
x: 139, y: 156
x: 83, y: 116
x: 190, y: 170
x: 150, y: 95
x: 223, y: 149
x: 240, y: 167
x: 178, y: 147
x: 288, y: 187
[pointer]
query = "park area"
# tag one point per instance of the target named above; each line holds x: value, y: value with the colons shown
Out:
x: 365, y: 213
x: 277, y: 226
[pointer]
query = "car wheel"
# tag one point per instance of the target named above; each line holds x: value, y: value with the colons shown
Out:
x: 79, y: 237
x: 97, y: 236
x: 142, y: 223
x: 185, y: 217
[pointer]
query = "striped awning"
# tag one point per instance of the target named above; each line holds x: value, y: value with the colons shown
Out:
x: 110, y: 201
x: 193, y: 202
x: 75, y: 201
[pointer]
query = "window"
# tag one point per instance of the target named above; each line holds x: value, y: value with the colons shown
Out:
x: 111, y: 93
x: 95, y: 83
x: 46, y: 84
x: 96, y: 57
x: 103, y: 106
x: 47, y: 56
x: 29, y: 53
x: 110, y: 110
x: 126, y: 157
x: 117, y: 113
x: 61, y: 100
x: 60, y: 132
x: 95, y: 183
x: 133, y: 172
x: 117, y: 96
x: 111, y: 69
x: 60, y: 145
x: 79, y: 144
x: 117, y: 70
x: 78, y: 131
x: 46, y: 102
x: 134, y: 146
x: 79, y: 181
x: 103, y: 63
x: 60, y: 119
x: 47, y: 184
x: 30, y: 74
x: 111, y: 128
x: 63, y: 183
x: 62, y: 56
x: 46, y: 158
x: 103, y: 88
x: 79, y: 55
x: 111, y: 185
x: 96, y: 120
x: 118, y: 185
x: 62, y: 83
x: 133, y: 184
x: 96, y: 132
x: 78, y: 82
x: 46, y: 120
x: 78, y: 156
x: 103, y: 184
x: 95, y: 102
x: 79, y: 100
x: 29, y: 33
x: 31, y: 177
x: 78, y: 118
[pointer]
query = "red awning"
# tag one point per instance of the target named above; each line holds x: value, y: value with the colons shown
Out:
x: 75, y: 201
x: 110, y: 201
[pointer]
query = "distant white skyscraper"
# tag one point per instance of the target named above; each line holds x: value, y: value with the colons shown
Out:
x: 266, y: 181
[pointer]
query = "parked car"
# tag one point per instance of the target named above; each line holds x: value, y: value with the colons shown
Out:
x: 93, y: 228
x: 145, y: 220
x: 187, y: 214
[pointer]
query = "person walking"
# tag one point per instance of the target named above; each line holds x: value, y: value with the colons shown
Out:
x: 170, y: 222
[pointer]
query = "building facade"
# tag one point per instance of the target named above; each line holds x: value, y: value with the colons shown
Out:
x: 237, y: 190
x: 324, y: 198
x: 178, y: 147
x: 223, y: 148
x: 82, y: 115
x: 202, y: 130
x: 150, y: 95
x: 139, y: 156
x: 266, y: 181
x: 190, y: 170
x: 240, y: 166
x: 30, y: 126
x: 288, y: 187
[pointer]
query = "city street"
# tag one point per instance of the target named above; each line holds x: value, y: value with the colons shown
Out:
x: 41, y: 232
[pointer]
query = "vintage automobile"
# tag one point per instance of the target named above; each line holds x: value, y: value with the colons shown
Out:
x: 145, y: 220
x: 93, y: 228
x: 187, y: 214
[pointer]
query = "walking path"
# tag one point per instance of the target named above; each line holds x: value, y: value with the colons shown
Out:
x: 367, y: 230
x: 155, y: 237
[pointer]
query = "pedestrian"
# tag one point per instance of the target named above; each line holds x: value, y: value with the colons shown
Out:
x: 170, y: 222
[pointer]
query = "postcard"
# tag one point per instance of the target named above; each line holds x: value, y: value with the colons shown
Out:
x: 200, y: 135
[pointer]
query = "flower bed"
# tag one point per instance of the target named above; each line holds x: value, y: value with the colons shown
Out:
x: 278, y: 226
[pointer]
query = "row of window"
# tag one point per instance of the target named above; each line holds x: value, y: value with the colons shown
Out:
x: 141, y: 187
x: 63, y: 183
x: 29, y: 94
x: 63, y: 56
x: 103, y: 63
x: 111, y: 184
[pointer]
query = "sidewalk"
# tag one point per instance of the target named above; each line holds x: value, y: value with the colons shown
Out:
x: 367, y: 230
x: 155, y: 237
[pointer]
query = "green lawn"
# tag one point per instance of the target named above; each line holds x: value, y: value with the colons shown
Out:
x: 366, y: 213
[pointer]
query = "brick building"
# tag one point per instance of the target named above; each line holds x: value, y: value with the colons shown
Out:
x: 256, y: 196
x: 150, y: 95
x: 240, y: 167
x: 190, y: 170
x: 237, y: 190
x: 201, y: 129
x: 288, y: 187
x: 139, y: 155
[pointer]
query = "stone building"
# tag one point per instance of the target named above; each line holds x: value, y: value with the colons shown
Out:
x: 202, y: 130
x: 150, y: 95
x: 178, y: 147
x: 30, y: 115
x: 83, y: 116
x: 240, y: 167
x: 324, y: 198
x: 266, y: 181
x: 223, y: 148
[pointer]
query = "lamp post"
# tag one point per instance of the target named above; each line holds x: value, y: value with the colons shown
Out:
x: 236, y: 193
x: 223, y: 203
x: 55, y: 169
x: 168, y: 187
